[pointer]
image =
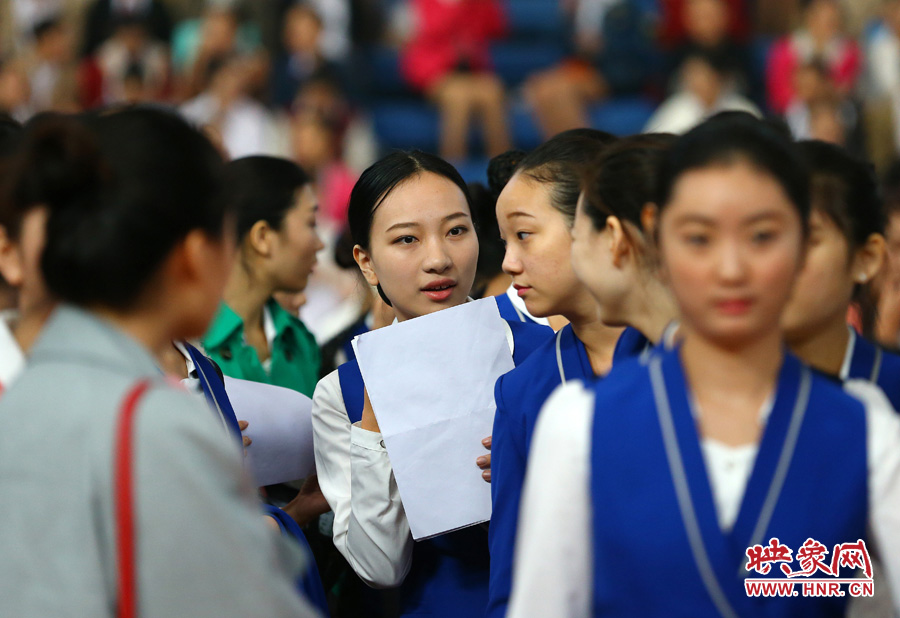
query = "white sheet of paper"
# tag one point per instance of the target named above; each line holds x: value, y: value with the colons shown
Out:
x: 431, y: 384
x: 280, y: 425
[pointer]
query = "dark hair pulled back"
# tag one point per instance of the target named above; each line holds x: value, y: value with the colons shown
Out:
x: 622, y: 180
x: 121, y: 190
x: 560, y: 162
x: 385, y: 175
x: 263, y: 189
x: 738, y: 138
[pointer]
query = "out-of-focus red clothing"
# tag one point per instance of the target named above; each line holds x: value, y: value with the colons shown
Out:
x: 842, y: 57
x: 447, y: 34
x: 672, y: 32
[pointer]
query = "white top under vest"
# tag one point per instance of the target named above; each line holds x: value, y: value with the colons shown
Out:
x: 554, y: 573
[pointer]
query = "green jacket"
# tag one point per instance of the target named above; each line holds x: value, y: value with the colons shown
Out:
x: 294, y: 353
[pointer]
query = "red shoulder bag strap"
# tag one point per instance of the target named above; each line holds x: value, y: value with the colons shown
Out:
x: 123, y: 479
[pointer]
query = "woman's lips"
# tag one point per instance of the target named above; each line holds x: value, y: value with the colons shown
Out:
x: 735, y: 306
x: 439, y: 290
x: 521, y: 290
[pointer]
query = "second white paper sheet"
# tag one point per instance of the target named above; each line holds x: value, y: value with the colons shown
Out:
x: 431, y: 384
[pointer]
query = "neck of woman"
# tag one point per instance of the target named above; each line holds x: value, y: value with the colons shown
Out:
x: 652, y: 309
x: 29, y: 325
x: 826, y: 349
x: 731, y: 382
x: 599, y: 339
x: 246, y: 294
x: 150, y: 326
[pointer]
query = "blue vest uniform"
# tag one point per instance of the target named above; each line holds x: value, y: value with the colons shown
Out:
x: 214, y: 391
x: 872, y: 363
x: 511, y: 313
x: 658, y: 547
x: 519, y: 395
x: 449, y: 574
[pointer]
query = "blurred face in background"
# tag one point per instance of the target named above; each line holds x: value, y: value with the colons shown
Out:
x: 302, y: 29
x: 823, y: 20
x: 706, y: 21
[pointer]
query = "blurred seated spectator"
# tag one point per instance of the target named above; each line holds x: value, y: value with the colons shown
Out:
x: 317, y: 141
x: 821, y: 37
x: 818, y: 110
x: 49, y: 68
x: 302, y: 60
x: 706, y: 89
x: 15, y: 93
x: 336, y: 21
x: 676, y: 27
x: 219, y: 32
x: 612, y: 54
x: 448, y: 59
x: 709, y: 29
x: 225, y: 105
x: 883, y: 68
x: 23, y: 17
x: 103, y: 15
x: 130, y: 67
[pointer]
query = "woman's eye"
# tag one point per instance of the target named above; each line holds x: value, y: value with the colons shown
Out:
x: 764, y: 236
x: 459, y: 230
x: 405, y: 240
x: 697, y: 240
x: 522, y: 235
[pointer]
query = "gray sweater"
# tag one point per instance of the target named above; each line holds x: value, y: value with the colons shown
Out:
x: 202, y: 547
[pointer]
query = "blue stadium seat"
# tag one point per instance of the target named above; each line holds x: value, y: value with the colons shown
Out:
x: 515, y: 61
x: 384, y: 63
x: 622, y: 116
x: 474, y: 169
x: 406, y: 124
x: 541, y: 18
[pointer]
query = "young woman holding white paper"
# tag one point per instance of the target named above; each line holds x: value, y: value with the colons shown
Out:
x: 412, y: 225
x: 729, y: 440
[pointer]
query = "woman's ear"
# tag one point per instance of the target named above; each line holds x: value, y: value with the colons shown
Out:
x: 11, y: 268
x: 261, y: 237
x: 650, y: 219
x: 364, y: 261
x: 618, y: 241
x: 869, y: 259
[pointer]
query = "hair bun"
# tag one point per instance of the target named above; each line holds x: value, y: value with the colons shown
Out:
x: 60, y: 164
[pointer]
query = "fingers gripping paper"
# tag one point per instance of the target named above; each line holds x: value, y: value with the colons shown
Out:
x: 431, y: 384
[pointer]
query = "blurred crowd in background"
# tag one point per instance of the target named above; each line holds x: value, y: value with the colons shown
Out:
x: 333, y: 84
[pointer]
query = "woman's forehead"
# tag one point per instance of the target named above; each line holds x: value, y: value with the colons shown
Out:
x: 425, y: 199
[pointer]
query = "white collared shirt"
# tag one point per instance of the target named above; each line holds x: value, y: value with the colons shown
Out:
x: 370, y: 526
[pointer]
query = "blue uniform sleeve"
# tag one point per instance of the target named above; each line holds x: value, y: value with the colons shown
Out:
x: 310, y: 583
x: 508, y: 461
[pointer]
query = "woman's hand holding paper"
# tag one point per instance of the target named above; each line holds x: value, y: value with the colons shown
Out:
x: 484, y: 462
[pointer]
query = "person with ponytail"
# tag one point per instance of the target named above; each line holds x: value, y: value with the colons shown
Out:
x: 673, y: 473
x: 846, y: 252
x: 535, y: 212
x: 136, y: 249
x: 252, y: 337
x: 613, y: 251
x: 414, y: 240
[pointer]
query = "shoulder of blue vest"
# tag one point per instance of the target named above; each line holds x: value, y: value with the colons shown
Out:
x: 527, y: 337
